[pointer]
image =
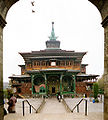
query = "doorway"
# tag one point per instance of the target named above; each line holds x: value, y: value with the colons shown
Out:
x: 53, y: 83
x: 53, y: 90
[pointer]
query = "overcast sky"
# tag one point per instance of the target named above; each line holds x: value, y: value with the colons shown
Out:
x: 77, y: 24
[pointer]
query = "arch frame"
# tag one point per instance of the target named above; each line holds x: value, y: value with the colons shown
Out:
x: 102, y: 6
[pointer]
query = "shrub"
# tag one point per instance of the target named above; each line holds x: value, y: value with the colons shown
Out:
x: 95, y: 90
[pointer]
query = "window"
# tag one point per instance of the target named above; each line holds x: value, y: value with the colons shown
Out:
x: 43, y: 63
x: 53, y: 63
x: 48, y: 63
x: 62, y: 63
x: 58, y: 63
x: 67, y: 63
x: 29, y: 65
x: 38, y: 63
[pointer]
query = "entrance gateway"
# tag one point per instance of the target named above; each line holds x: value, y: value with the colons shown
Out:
x: 53, y: 83
x: 52, y: 71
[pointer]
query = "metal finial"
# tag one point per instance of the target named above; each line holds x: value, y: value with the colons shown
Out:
x: 52, y: 22
x: 52, y: 37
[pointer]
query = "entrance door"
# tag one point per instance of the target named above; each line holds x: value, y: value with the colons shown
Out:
x: 53, y: 82
x: 53, y: 89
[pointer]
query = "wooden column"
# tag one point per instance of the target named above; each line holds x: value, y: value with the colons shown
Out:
x: 46, y: 88
x: 32, y: 79
x: 74, y: 77
x: 61, y: 83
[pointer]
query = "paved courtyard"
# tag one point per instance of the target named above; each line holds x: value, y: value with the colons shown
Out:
x: 54, y: 110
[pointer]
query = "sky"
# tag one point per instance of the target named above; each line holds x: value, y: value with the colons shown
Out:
x: 77, y: 23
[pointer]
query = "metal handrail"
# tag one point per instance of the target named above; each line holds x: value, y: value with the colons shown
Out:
x: 77, y: 105
x: 66, y: 106
x: 40, y: 107
x: 31, y: 106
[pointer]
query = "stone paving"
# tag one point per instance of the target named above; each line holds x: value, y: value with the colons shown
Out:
x: 92, y: 107
x: 54, y: 110
x: 53, y: 106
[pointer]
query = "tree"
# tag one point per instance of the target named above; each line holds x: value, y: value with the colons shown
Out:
x: 101, y: 85
x: 95, y: 90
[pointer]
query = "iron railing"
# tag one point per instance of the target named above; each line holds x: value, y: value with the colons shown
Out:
x: 32, y: 107
x: 77, y: 106
x: 66, y: 106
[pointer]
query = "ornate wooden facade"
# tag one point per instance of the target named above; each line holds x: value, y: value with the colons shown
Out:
x: 51, y: 71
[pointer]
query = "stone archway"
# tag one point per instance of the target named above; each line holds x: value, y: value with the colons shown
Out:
x: 102, y: 6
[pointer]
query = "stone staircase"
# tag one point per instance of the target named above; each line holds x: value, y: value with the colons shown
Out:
x: 55, y: 116
x: 55, y: 110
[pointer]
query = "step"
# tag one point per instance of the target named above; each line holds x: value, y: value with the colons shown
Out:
x: 55, y: 116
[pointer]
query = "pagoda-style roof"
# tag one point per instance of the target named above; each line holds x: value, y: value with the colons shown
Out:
x: 57, y: 70
x: 87, y: 75
x: 84, y: 77
x: 84, y: 64
x: 21, y: 65
x: 20, y: 76
x: 52, y: 54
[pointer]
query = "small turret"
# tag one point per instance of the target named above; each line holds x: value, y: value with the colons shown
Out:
x: 52, y: 43
x: 53, y: 37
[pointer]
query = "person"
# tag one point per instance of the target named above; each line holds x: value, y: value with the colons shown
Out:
x: 85, y: 95
x: 5, y: 112
x: 11, y: 103
x: 59, y: 97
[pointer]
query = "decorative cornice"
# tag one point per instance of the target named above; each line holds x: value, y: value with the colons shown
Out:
x: 2, y: 22
x: 105, y: 22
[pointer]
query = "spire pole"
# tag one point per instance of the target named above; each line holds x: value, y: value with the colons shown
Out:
x: 52, y: 37
x: 52, y: 43
x: 53, y: 26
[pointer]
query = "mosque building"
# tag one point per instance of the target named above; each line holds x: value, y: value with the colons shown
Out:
x: 52, y: 71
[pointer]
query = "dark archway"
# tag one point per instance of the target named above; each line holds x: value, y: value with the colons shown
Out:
x: 102, y: 6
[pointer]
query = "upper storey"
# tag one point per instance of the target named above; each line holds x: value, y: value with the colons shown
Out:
x: 53, y: 56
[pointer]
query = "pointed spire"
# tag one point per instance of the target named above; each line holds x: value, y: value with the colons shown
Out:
x: 52, y: 37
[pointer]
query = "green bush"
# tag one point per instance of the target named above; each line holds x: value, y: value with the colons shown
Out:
x: 101, y: 91
x: 72, y: 96
x: 96, y: 100
x: 101, y: 85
